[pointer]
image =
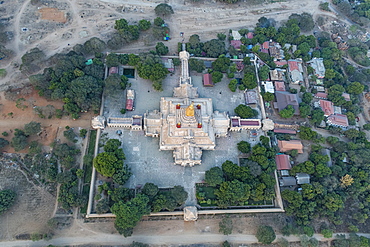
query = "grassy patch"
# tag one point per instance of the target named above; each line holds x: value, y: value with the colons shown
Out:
x: 2, y: 73
x: 90, y: 152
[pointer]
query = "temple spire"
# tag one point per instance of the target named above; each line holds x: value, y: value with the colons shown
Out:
x: 184, y: 78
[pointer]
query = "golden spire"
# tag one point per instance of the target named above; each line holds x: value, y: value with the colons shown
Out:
x: 189, y: 112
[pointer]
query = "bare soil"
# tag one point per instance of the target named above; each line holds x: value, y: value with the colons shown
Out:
x: 53, y: 14
x: 52, y: 129
x: 32, y: 209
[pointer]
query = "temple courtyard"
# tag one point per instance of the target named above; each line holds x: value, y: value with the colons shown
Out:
x: 143, y: 155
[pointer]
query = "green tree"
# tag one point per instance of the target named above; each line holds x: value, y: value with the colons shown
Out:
x: 317, y: 116
x: 106, y: 163
x: 196, y: 65
x: 233, y: 85
x: 214, y: 48
x: 221, y: 64
x: 129, y: 213
x: 216, y: 76
x: 263, y: 72
x: 327, y: 233
x: 94, y: 45
x: 265, y: 234
x: 307, y: 98
x: 19, y: 141
x: 366, y: 126
x: 268, y: 96
x: 32, y: 128
x: 245, y: 111
x: 304, y: 110
x: 7, y: 198
x: 226, y: 226
x: 150, y: 189
x: 102, y: 206
x: 250, y: 80
x: 179, y: 194
x: 83, y: 132
x: 3, y: 142
x: 288, y: 112
x: 306, y: 133
x: 355, y: 88
x: 221, y: 36
x: 161, y: 49
x: 244, y: 147
x: 144, y: 25
x: 70, y: 135
x: 232, y: 193
x: 158, y: 21
x: 214, y: 176
x: 163, y: 9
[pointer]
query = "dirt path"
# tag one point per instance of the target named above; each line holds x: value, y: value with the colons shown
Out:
x: 180, y: 239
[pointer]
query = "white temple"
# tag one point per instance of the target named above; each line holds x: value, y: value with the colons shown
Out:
x: 186, y: 123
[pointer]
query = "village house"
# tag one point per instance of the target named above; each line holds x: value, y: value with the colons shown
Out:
x: 269, y: 87
x: 207, y: 80
x: 279, y: 86
x: 338, y: 120
x: 295, y: 69
x: 250, y: 97
x: 327, y: 107
x: 277, y: 75
x: 286, y: 146
x: 318, y: 65
x: 283, y: 99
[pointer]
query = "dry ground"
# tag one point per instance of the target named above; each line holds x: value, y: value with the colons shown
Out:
x: 52, y: 129
x: 32, y: 209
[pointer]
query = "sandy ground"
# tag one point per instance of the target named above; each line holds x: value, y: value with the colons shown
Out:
x: 33, y: 205
x: 52, y: 129
x: 86, y: 19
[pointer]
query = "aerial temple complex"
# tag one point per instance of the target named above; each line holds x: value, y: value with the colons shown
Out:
x: 185, y: 123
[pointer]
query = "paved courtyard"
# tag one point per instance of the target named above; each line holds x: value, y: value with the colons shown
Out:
x: 147, y: 163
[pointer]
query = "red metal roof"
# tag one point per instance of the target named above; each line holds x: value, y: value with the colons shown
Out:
x: 285, y: 131
x: 293, y: 65
x: 129, y: 104
x: 250, y: 35
x: 279, y: 86
x: 207, y: 80
x: 280, y: 63
x: 251, y: 123
x: 327, y: 107
x: 236, y: 44
x: 266, y: 45
x: 338, y: 119
x: 282, y: 162
x: 321, y: 95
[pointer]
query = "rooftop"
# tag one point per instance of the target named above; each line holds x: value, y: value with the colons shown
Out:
x: 338, y: 120
x: 282, y: 162
x: 285, y: 146
x: 279, y: 86
x: 250, y: 97
x: 283, y: 99
x: 327, y: 107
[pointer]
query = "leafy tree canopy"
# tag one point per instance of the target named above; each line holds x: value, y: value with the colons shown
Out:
x: 7, y: 198
x: 163, y: 9
x: 265, y: 234
x: 245, y: 111
x: 214, y: 176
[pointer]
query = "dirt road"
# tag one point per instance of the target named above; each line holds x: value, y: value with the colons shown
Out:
x: 109, y: 239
